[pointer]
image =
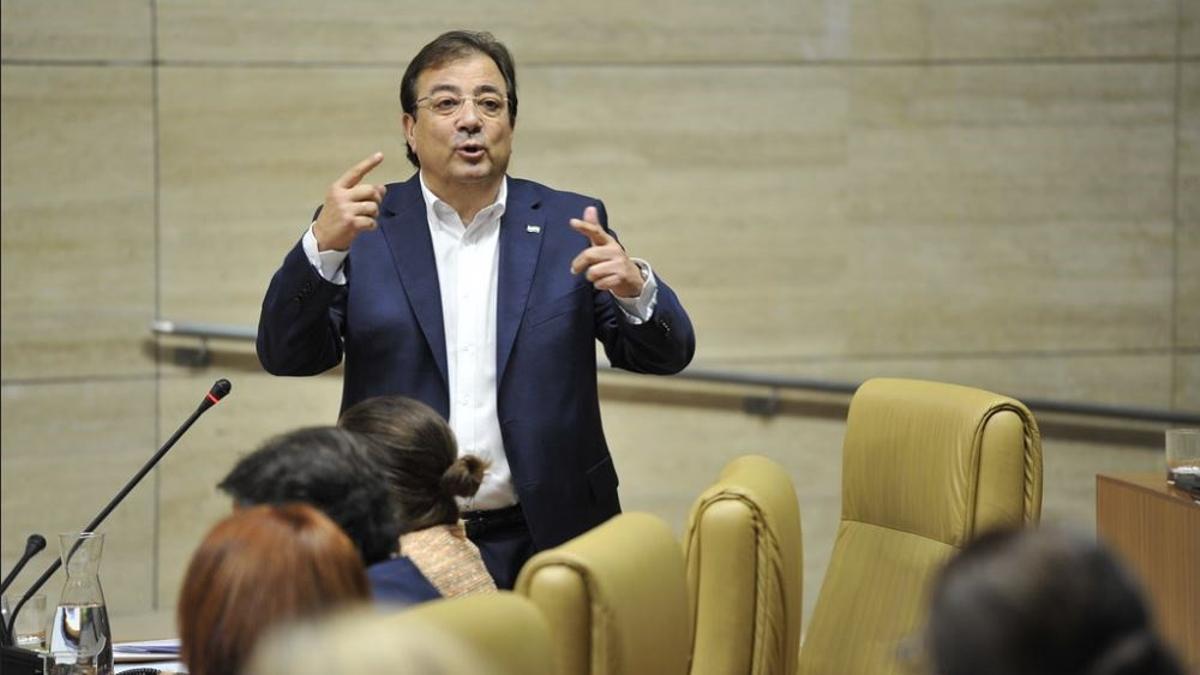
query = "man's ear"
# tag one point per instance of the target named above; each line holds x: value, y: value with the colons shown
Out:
x: 410, y: 123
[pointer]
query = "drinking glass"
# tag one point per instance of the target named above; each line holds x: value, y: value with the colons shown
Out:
x: 30, y: 629
x: 1183, y: 459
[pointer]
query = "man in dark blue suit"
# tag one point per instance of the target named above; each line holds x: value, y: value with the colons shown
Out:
x: 483, y: 296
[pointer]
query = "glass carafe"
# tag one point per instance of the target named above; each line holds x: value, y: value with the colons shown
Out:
x: 78, y: 637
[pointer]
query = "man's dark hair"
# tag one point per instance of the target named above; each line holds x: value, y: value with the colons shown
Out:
x: 452, y: 46
x: 331, y: 469
x: 1041, y: 602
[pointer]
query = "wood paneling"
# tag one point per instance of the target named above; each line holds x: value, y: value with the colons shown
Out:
x: 1156, y: 530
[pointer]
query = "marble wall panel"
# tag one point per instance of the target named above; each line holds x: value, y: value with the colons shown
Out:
x: 1187, y: 291
x: 65, y: 30
x: 1069, y: 476
x: 798, y: 211
x: 1189, y: 31
x: 626, y: 31
x: 726, y: 179
x: 1137, y: 380
x: 258, y: 407
x: 537, y: 31
x: 78, y: 221
x: 1013, y: 207
x: 1187, y: 381
x: 66, y: 450
x: 247, y: 155
x: 1021, y: 29
x: 1187, y: 192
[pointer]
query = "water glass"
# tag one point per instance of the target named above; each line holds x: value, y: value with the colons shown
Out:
x: 1183, y: 459
x: 30, y: 630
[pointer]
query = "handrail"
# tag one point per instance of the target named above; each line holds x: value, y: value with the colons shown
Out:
x: 206, y: 332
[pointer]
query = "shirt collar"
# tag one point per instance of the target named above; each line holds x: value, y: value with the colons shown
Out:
x: 439, y: 211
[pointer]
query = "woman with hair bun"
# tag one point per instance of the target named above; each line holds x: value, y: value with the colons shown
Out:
x: 426, y: 476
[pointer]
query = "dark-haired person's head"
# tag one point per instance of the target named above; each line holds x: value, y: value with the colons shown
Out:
x: 256, y: 569
x: 1041, y: 602
x: 331, y: 469
x: 419, y: 99
x: 419, y: 458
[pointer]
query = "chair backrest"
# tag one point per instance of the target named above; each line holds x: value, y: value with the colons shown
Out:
x: 744, y: 572
x: 615, y: 599
x: 925, y: 467
x: 483, y: 634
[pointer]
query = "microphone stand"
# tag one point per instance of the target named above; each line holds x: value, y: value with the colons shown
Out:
x: 214, y: 395
x: 33, y: 545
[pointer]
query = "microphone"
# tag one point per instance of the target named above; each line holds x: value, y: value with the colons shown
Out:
x: 33, y: 545
x: 218, y: 391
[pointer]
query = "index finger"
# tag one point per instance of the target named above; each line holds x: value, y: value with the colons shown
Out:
x: 595, y: 234
x: 356, y: 173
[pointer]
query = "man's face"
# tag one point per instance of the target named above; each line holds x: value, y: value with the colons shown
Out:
x: 468, y: 147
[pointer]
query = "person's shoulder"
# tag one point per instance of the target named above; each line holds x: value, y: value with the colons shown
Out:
x: 399, y: 579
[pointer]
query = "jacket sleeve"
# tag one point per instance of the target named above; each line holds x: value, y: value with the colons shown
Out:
x: 664, y: 345
x: 300, y: 328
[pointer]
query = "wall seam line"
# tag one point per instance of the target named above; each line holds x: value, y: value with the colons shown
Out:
x: 154, y: 113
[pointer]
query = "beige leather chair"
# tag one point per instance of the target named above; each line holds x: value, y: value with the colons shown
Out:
x: 614, y: 598
x: 483, y: 634
x: 744, y: 572
x: 926, y: 466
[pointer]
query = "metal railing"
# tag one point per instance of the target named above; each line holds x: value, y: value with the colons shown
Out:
x: 768, y: 406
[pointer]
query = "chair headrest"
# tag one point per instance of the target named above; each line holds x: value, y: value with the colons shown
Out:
x: 914, y: 456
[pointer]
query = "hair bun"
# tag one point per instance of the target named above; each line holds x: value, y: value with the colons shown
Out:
x: 464, y: 476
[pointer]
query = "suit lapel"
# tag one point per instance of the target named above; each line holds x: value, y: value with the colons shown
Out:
x: 405, y: 226
x: 520, y: 243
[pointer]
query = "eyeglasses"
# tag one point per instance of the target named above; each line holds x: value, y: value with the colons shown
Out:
x: 488, y: 105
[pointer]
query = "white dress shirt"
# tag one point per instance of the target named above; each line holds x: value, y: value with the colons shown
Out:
x: 467, y: 260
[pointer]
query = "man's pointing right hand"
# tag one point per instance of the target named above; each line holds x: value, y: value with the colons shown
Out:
x: 351, y: 206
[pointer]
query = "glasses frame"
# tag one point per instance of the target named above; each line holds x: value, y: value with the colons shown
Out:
x: 462, y: 100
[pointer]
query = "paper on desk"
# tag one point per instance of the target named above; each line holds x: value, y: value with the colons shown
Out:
x: 159, y: 654
x: 165, y: 667
x: 145, y: 650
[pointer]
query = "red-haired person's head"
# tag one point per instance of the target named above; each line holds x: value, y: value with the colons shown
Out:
x: 257, y: 568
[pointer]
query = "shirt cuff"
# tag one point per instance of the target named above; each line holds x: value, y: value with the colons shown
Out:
x: 637, y: 310
x: 327, y: 263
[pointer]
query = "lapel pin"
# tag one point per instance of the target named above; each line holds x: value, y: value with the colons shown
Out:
x: 533, y: 229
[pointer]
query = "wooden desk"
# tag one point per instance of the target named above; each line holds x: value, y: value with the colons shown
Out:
x: 1156, y: 529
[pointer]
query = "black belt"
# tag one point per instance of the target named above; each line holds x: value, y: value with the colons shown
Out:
x: 493, y: 520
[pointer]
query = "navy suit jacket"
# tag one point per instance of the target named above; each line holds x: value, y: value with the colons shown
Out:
x: 387, y: 323
x: 398, y: 581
